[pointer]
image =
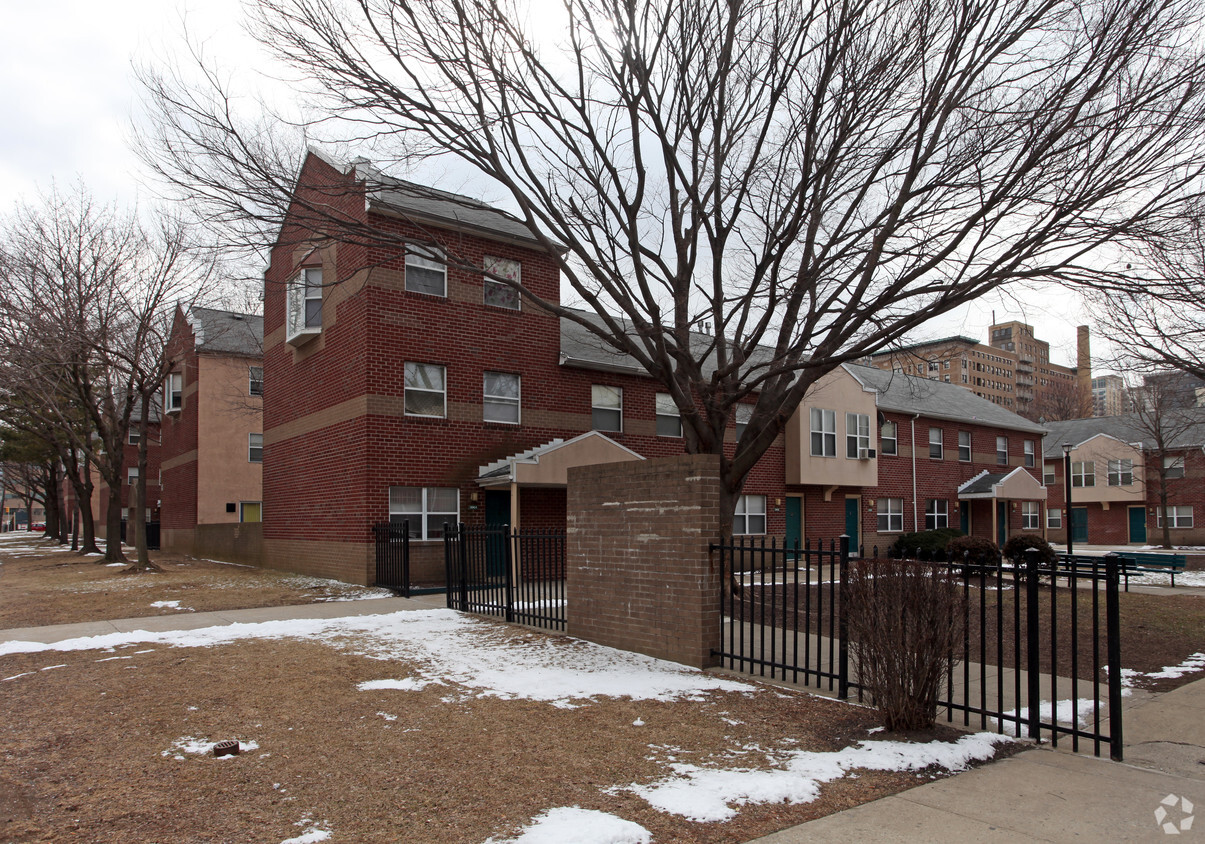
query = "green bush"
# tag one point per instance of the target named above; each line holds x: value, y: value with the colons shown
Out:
x: 1017, y: 545
x: 910, y: 545
x: 975, y: 550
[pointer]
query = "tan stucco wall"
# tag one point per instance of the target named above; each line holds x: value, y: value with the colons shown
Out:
x: 226, y: 416
x: 1100, y: 450
x: 839, y: 392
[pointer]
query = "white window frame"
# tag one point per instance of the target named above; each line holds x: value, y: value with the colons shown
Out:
x: 1173, y: 467
x: 505, y: 297
x: 173, y: 392
x: 1001, y: 451
x: 253, y: 447
x: 893, y: 438
x: 891, y: 515
x: 937, y: 445
x: 824, y: 432
x: 1121, y: 472
x: 1083, y: 473
x: 749, y: 516
x: 255, y: 385
x: 964, y: 448
x: 131, y: 475
x: 411, y: 384
x: 600, y: 395
x: 498, y: 402
x: 1049, y: 477
x: 857, y: 434
x: 424, y: 513
x: 741, y: 415
x: 1054, y: 518
x: 668, y: 417
x: 1180, y: 516
x: 1030, y: 516
x: 937, y: 513
x: 134, y: 436
x: 426, y: 259
x: 302, y: 319
x: 1030, y: 455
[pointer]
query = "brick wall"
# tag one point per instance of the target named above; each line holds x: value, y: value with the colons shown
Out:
x: 640, y: 576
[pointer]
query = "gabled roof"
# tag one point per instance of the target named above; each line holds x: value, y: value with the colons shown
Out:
x: 227, y: 332
x: 547, y: 464
x: 1185, y: 429
x: 1017, y: 484
x: 937, y: 400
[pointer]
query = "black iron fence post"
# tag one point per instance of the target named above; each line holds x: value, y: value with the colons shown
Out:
x: 843, y: 624
x: 1113, y: 646
x: 509, y: 539
x: 406, y: 558
x: 464, y: 567
x: 1032, y: 664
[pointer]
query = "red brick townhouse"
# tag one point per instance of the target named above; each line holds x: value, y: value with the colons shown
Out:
x: 213, y: 447
x: 1115, y: 479
x: 401, y: 386
x: 100, y: 493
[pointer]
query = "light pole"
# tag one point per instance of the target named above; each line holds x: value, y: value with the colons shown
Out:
x: 1067, y: 486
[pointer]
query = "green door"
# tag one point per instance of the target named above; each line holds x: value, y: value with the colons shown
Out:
x: 964, y: 518
x: 497, y: 515
x: 1138, y: 524
x: 1079, y: 524
x: 851, y: 524
x: 1001, y: 522
x: 794, y: 515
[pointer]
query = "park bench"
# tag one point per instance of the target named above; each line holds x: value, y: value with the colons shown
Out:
x: 1129, y: 563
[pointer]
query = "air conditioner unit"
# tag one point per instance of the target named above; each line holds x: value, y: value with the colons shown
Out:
x: 866, y: 453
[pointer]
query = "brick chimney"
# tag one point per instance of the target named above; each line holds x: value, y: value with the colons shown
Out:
x: 1083, y: 369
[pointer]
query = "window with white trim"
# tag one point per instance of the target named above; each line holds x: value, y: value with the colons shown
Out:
x: 304, y: 305
x: 824, y: 432
x: 426, y: 270
x: 135, y: 436
x: 173, y: 392
x: 1178, y: 516
x: 742, y: 413
x: 1030, y: 457
x: 255, y: 380
x: 750, y: 516
x: 964, y: 446
x: 857, y: 434
x: 669, y: 419
x: 891, y: 515
x: 500, y: 397
x: 606, y: 408
x: 131, y: 475
x: 1083, y: 473
x: 1029, y: 515
x: 498, y: 294
x: 1048, y: 476
x: 1121, y: 472
x: 1173, y: 467
x: 888, y: 438
x: 936, y: 448
x: 937, y: 514
x: 425, y: 390
x: 1002, y: 451
x: 1054, y: 518
x: 255, y: 448
x: 427, y: 509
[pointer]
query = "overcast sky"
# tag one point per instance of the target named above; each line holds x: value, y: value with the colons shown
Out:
x: 71, y: 103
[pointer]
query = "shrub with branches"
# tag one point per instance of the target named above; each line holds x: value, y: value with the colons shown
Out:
x: 1017, y: 545
x: 974, y: 550
x: 930, y: 542
x: 905, y: 623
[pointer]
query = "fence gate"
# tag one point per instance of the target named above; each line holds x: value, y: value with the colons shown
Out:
x: 1039, y: 654
x: 515, y: 575
x: 393, y: 556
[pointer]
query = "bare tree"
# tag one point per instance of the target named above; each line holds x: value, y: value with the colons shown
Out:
x: 1061, y: 399
x: 1166, y: 427
x: 744, y: 194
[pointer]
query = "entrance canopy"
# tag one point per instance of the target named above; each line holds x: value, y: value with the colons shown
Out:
x: 1015, y: 485
x: 548, y: 465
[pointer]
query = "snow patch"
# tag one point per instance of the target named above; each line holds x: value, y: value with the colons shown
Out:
x: 169, y: 605
x: 200, y: 746
x: 312, y: 836
x: 580, y: 826
x: 407, y: 684
x: 1078, y: 712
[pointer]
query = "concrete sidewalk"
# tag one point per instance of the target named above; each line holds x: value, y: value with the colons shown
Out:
x: 1051, y: 795
x: 197, y: 620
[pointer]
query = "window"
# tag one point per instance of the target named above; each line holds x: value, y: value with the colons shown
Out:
x: 606, y: 408
x: 255, y: 379
x: 964, y: 446
x: 857, y: 434
x: 1002, y: 451
x: 750, y: 516
x: 426, y: 271
x: 1029, y: 515
x: 255, y: 448
x: 891, y: 515
x: 1029, y: 453
x: 426, y: 390
x: 936, y: 450
x: 500, y: 397
x: 1083, y: 474
x: 304, y: 317
x: 1048, y: 474
x: 131, y: 475
x: 1173, y: 467
x: 743, y: 413
x: 496, y: 293
x: 937, y: 514
x: 250, y: 511
x: 1178, y: 516
x: 888, y: 438
x: 1054, y: 518
x: 824, y: 432
x: 173, y: 392
x: 135, y: 436
x: 669, y: 420
x: 1121, y: 472
x: 427, y: 509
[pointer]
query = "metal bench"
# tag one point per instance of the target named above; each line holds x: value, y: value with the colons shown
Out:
x: 1129, y: 563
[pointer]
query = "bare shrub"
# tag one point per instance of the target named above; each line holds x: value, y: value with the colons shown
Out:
x: 905, y: 621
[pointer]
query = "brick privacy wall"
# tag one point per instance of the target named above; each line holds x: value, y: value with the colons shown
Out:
x: 232, y: 543
x: 640, y: 576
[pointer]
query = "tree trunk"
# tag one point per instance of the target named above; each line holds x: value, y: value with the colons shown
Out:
x: 137, y: 522
x: 113, y: 552
x: 83, y: 496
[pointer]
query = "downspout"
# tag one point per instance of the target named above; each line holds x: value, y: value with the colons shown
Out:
x: 915, y: 524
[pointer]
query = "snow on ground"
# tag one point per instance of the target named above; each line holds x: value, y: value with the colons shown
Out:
x: 712, y: 794
x: 1183, y: 578
x: 580, y: 826
x: 169, y: 605
x: 1077, y: 712
x: 1192, y: 664
x: 317, y: 831
x: 193, y: 746
x: 409, y: 684
x: 336, y: 590
x: 452, y: 649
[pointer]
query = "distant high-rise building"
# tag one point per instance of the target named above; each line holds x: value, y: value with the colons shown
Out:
x: 1109, y: 396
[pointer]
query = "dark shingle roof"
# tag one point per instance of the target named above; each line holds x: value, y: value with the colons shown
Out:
x: 227, y: 332
x: 937, y: 399
x: 982, y: 484
x: 1185, y: 429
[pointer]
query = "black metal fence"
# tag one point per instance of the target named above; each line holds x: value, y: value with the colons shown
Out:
x: 515, y: 575
x: 393, y: 556
x: 1039, y: 653
x: 152, y: 534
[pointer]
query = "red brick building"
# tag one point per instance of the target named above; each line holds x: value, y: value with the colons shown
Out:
x: 403, y: 386
x: 100, y: 494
